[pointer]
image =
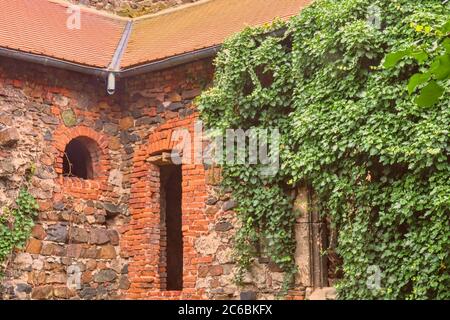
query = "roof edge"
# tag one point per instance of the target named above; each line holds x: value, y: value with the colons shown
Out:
x: 115, y: 64
x: 170, y: 62
x: 103, y: 72
x: 52, y: 62
x: 115, y: 16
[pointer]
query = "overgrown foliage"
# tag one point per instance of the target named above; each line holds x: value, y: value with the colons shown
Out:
x: 378, y: 162
x: 241, y: 99
x: 439, y: 70
x: 16, y: 224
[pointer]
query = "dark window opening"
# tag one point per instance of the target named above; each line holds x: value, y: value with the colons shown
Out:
x: 171, y: 223
x: 265, y: 76
x: 286, y: 43
x: 248, y: 85
x: 77, y: 160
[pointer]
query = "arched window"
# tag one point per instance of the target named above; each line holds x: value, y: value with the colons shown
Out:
x: 79, y: 157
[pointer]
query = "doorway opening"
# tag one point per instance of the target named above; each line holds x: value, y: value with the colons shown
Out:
x: 171, y: 226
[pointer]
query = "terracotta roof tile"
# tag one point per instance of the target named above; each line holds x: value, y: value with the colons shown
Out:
x: 200, y: 26
x: 40, y: 27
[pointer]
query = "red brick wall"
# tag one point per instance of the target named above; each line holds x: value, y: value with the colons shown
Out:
x: 145, y: 272
x: 168, y: 101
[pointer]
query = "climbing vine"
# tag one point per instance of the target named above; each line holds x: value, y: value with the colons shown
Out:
x: 16, y: 223
x: 377, y: 159
x: 253, y: 88
x: 439, y: 70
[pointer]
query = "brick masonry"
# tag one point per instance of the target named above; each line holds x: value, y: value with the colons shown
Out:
x: 106, y: 231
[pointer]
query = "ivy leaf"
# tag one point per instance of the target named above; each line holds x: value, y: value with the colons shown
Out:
x: 420, y: 56
x: 441, y: 67
x: 446, y: 27
x: 446, y: 45
x: 430, y: 94
x: 416, y: 80
x: 393, y: 58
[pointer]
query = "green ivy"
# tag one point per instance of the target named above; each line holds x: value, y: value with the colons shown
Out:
x: 239, y: 100
x: 439, y: 70
x: 377, y: 161
x: 16, y: 224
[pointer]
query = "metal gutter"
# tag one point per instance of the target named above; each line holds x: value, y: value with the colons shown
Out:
x: 115, y: 64
x: 53, y: 62
x: 170, y: 62
x: 114, y: 69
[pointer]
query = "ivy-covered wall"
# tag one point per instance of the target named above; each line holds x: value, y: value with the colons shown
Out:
x: 377, y: 160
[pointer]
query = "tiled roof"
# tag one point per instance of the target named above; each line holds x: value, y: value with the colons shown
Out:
x: 200, y: 26
x: 40, y: 27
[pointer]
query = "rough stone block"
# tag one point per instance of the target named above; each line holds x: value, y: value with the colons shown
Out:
x: 79, y: 235
x: 223, y: 226
x: 99, y: 236
x: 248, y: 295
x: 34, y: 246
x: 9, y: 137
x: 57, y: 233
x: 107, y: 252
x: 69, y: 118
x: 106, y: 275
x: 42, y: 293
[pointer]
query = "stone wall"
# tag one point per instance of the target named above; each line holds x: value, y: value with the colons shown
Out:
x: 76, y: 234
x: 101, y: 238
x: 132, y: 8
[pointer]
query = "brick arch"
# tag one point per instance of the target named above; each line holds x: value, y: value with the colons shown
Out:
x: 159, y: 142
x: 97, y: 147
x: 93, y: 166
x: 161, y: 139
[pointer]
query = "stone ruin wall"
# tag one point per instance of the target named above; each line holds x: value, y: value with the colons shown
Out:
x: 132, y: 7
x: 79, y: 221
x: 108, y: 228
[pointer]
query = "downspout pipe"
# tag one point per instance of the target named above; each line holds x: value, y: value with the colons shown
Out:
x: 114, y: 67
